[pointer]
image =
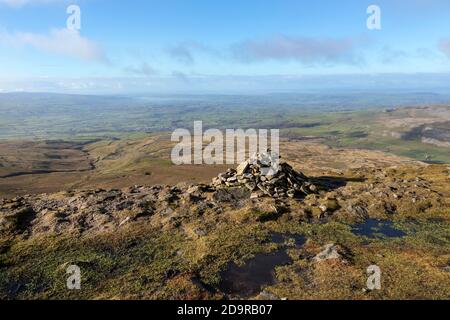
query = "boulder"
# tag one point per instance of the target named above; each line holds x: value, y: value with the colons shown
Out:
x: 329, y: 252
x: 242, y: 168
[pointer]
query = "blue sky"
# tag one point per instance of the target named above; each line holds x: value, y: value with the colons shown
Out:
x: 220, y: 46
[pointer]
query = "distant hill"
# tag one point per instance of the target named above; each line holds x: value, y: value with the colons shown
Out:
x: 54, y: 116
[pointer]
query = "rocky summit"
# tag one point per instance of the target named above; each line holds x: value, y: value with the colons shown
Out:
x: 265, y: 177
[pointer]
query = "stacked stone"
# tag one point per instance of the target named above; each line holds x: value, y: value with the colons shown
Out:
x: 258, y: 176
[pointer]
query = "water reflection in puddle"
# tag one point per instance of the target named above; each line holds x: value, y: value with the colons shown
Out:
x: 373, y: 229
x: 248, y: 280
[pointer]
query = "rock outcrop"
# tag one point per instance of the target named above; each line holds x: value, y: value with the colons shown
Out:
x: 330, y: 252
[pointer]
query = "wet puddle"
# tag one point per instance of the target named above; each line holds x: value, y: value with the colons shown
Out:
x: 373, y: 229
x: 249, y: 280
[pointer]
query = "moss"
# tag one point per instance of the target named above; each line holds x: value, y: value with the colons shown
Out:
x: 264, y: 216
x: 112, y: 264
x: 412, y: 267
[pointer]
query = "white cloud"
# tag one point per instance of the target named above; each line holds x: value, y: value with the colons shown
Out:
x: 21, y: 3
x: 185, y: 52
x: 303, y: 49
x: 144, y: 69
x: 14, y: 3
x: 232, y: 84
x: 59, y: 41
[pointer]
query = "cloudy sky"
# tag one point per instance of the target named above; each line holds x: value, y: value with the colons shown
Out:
x: 222, y: 45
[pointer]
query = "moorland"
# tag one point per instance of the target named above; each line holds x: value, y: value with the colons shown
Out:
x: 88, y: 180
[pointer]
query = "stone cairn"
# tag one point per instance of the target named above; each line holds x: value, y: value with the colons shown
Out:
x: 265, y: 177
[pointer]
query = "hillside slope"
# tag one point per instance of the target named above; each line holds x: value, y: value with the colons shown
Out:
x: 197, y: 241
